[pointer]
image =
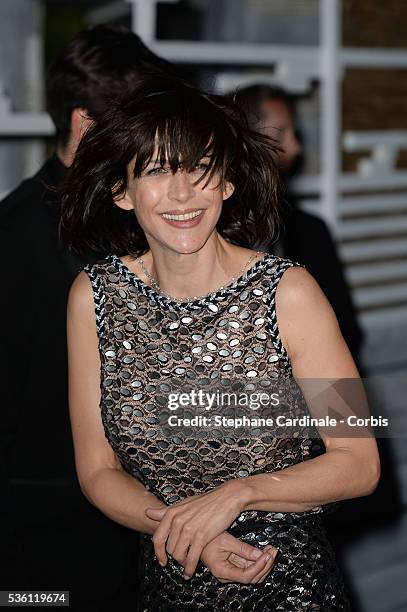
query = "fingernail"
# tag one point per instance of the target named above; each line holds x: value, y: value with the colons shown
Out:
x: 161, y: 563
x: 257, y: 553
x: 187, y: 577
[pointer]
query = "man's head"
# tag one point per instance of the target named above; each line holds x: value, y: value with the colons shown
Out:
x: 271, y: 110
x: 93, y: 68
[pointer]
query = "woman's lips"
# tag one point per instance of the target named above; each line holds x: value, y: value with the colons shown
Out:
x: 183, y: 223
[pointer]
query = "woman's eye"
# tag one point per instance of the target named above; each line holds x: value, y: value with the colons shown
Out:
x: 200, y: 167
x: 158, y: 170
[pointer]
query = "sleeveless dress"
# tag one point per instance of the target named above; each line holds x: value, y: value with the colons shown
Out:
x: 146, y: 341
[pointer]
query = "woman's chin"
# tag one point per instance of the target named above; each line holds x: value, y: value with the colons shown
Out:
x: 187, y: 248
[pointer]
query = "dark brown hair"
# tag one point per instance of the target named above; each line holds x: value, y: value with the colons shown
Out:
x: 92, y: 67
x: 251, y: 98
x: 186, y: 124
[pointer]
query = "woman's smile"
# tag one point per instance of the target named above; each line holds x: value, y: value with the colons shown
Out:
x: 188, y: 218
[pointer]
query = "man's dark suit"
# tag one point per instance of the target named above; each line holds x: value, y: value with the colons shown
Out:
x: 57, y: 538
x: 306, y: 238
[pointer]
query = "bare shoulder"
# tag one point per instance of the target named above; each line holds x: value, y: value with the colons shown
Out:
x: 298, y: 288
x: 302, y: 309
x: 309, y: 329
x: 81, y: 319
x: 80, y: 300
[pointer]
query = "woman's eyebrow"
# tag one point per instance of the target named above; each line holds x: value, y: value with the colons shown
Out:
x: 155, y: 162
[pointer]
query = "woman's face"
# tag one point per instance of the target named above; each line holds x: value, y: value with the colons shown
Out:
x: 278, y: 123
x: 173, y: 211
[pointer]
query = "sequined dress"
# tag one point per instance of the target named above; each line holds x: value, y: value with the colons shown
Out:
x: 147, y: 340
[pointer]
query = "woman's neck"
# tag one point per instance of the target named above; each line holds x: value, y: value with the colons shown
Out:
x: 186, y: 275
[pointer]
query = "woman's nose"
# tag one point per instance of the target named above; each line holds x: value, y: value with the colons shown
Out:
x: 180, y: 187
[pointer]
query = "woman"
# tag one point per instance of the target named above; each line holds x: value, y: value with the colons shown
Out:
x: 175, y: 188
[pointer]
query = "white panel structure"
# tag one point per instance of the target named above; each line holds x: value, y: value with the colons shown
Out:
x: 330, y: 20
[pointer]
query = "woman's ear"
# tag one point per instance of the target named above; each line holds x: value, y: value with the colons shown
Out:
x: 80, y: 122
x: 123, y: 201
x: 228, y: 190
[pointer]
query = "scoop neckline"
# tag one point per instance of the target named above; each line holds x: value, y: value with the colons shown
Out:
x: 213, y: 295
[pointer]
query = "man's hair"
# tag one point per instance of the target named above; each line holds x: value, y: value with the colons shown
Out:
x: 251, y: 99
x: 185, y: 124
x: 96, y: 65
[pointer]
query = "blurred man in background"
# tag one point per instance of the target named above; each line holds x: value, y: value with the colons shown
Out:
x: 56, y: 539
x: 305, y: 238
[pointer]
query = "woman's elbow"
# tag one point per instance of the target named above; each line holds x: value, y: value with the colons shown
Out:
x: 87, y: 485
x: 371, y: 476
x: 85, y: 492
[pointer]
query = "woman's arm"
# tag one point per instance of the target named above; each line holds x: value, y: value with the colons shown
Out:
x: 350, y: 467
x: 101, y: 476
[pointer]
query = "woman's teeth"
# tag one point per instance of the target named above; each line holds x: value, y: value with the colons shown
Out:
x: 184, y: 217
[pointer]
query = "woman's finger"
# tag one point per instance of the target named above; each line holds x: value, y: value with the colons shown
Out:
x: 179, y: 549
x: 242, y: 549
x: 245, y: 575
x: 171, y: 542
x: 195, y: 550
x: 239, y: 561
x: 160, y: 538
x: 243, y: 558
x: 252, y: 572
x: 267, y: 569
x: 156, y: 514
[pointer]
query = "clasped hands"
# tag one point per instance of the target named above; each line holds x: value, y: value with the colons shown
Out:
x: 195, y: 528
